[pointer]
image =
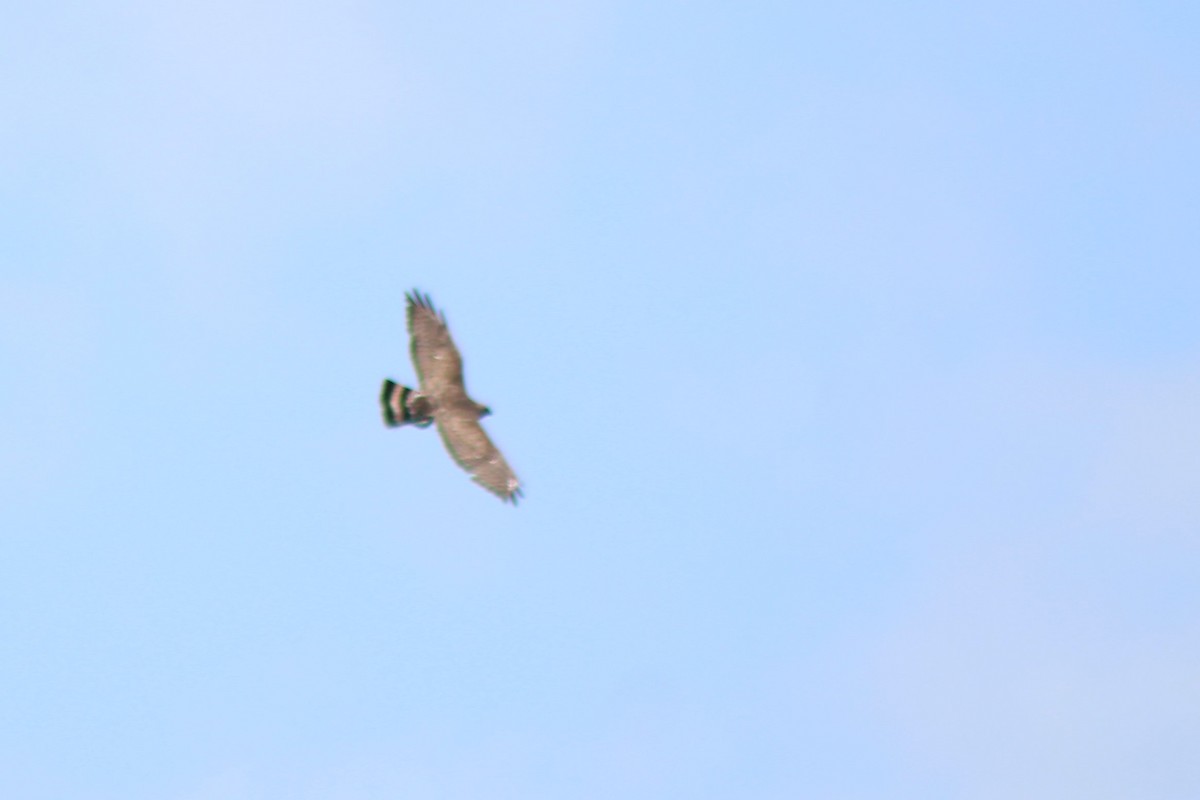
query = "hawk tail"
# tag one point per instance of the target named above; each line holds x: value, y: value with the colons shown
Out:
x: 403, y: 406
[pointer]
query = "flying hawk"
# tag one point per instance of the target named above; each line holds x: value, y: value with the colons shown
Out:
x: 442, y: 398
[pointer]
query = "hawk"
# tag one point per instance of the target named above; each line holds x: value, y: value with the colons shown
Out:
x: 442, y: 399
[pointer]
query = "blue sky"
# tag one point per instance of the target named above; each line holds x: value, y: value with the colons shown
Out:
x: 849, y: 355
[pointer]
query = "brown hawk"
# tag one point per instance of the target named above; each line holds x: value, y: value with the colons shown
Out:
x: 442, y: 399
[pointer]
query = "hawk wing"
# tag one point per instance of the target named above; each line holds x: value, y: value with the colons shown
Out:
x: 438, y: 363
x: 469, y: 445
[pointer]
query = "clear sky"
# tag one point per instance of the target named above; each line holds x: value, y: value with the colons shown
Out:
x: 849, y: 354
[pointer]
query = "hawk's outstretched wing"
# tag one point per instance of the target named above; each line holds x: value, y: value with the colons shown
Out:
x: 438, y: 363
x: 470, y: 446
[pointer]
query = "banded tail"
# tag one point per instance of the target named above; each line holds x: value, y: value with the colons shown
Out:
x: 403, y: 406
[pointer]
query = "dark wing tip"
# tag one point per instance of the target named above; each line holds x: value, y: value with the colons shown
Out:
x: 418, y: 300
x: 505, y: 494
x: 508, y: 497
x: 512, y: 492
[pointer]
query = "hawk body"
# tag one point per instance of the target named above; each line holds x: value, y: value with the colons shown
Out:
x: 442, y: 399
